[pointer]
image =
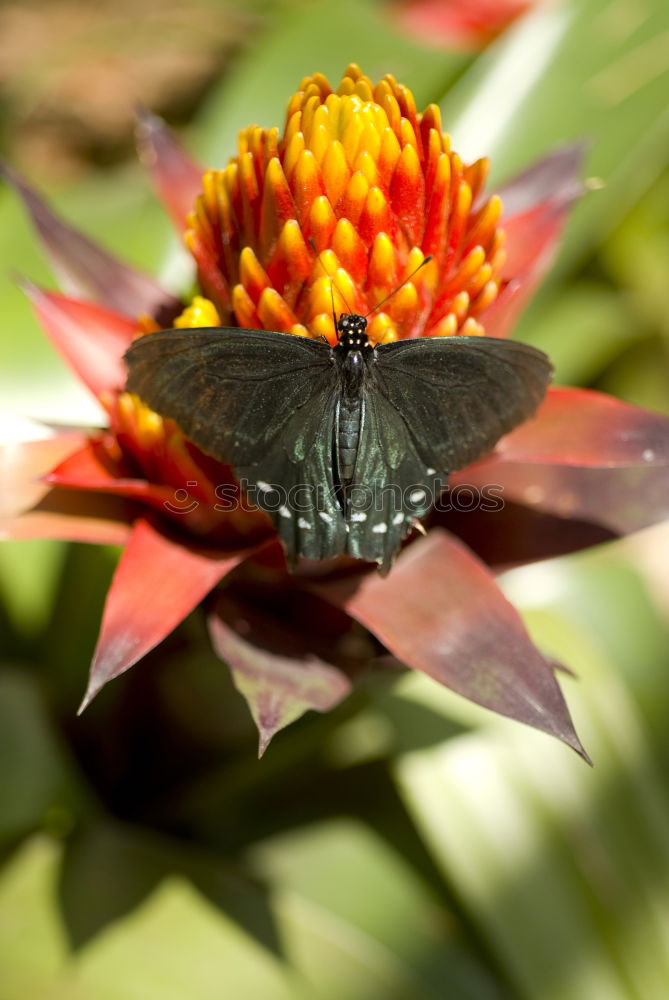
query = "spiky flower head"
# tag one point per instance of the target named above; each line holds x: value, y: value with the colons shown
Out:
x: 374, y: 186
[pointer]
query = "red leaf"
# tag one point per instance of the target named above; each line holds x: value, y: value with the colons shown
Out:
x: 22, y: 466
x: 73, y: 516
x: 456, y: 23
x: 91, y: 468
x: 92, y: 339
x: 536, y: 205
x: 553, y: 180
x: 157, y: 583
x: 582, y: 427
x: 83, y: 268
x: 585, y: 456
x: 275, y: 667
x: 515, y: 534
x: 620, y: 498
x: 177, y: 178
x: 440, y: 611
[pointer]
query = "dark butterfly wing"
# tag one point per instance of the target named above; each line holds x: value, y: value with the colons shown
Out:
x: 457, y: 396
x: 262, y: 402
x: 431, y: 407
x: 393, y: 485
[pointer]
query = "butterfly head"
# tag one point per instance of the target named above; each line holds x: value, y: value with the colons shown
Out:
x: 352, y: 332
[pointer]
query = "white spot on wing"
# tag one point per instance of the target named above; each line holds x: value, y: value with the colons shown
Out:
x: 284, y: 512
x: 265, y: 487
x: 398, y: 518
x: 380, y: 529
x: 303, y: 523
x: 430, y: 472
x: 359, y: 515
x: 324, y: 516
x: 416, y: 496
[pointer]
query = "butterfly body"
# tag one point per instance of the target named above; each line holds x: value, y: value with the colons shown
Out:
x: 343, y: 446
x: 353, y: 355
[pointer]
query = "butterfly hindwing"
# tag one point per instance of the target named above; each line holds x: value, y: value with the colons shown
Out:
x: 393, y: 485
x: 295, y: 484
x: 458, y: 395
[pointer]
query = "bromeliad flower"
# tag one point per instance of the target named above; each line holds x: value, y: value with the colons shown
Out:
x: 375, y: 187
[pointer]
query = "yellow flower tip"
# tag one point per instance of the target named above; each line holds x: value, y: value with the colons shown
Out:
x: 274, y: 313
x: 485, y: 298
x: 404, y: 303
x: 446, y: 327
x: 471, y: 328
x: 381, y: 329
x: 299, y: 330
x: 336, y: 288
x: 146, y: 324
x: 135, y: 420
x: 460, y: 306
x: 252, y: 275
x: 200, y: 312
x: 322, y: 326
x: 361, y: 174
x: 244, y: 308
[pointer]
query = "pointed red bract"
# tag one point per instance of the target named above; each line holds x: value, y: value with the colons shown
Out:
x: 157, y: 583
x: 22, y: 466
x: 440, y: 611
x: 73, y: 516
x: 619, y: 498
x: 536, y: 206
x: 516, y: 534
x: 85, y: 269
x: 91, y: 468
x: 555, y: 178
x: 583, y: 427
x: 457, y: 24
x: 585, y: 457
x: 274, y: 667
x: 177, y: 177
x: 92, y: 339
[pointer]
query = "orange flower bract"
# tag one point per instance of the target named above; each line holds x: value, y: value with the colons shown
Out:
x: 374, y: 186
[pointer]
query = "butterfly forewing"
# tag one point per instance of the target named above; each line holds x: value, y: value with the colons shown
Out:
x: 262, y: 402
x: 231, y: 391
x: 458, y: 395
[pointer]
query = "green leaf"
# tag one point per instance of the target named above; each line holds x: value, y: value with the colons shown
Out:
x: 29, y: 571
x: 33, y: 949
x: 583, y: 329
x: 175, y: 945
x: 564, y: 869
x: 36, y: 784
x: 349, y: 880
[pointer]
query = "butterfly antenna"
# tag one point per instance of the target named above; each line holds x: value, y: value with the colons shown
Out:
x: 408, y: 278
x: 334, y: 315
x: 332, y: 283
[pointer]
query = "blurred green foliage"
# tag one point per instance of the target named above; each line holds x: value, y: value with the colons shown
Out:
x: 408, y: 844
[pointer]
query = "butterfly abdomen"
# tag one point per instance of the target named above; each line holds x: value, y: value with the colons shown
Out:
x: 349, y: 412
x: 348, y: 437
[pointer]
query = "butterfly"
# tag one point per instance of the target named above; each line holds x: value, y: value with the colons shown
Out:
x: 345, y: 447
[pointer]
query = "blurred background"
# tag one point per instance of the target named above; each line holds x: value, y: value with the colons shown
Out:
x: 408, y: 844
